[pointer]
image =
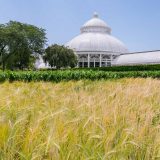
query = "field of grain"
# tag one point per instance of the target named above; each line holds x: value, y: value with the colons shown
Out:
x: 83, y: 120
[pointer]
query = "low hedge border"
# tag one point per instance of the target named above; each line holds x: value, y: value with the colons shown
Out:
x: 58, y: 76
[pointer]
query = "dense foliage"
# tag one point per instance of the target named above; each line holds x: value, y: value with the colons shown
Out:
x: 67, y: 75
x: 155, y: 67
x: 60, y: 56
x: 20, y: 45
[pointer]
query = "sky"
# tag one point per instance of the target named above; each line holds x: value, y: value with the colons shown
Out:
x: 135, y: 22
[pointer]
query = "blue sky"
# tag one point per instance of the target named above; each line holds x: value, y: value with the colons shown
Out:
x: 135, y: 22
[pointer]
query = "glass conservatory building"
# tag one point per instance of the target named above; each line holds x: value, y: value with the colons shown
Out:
x: 149, y: 57
x: 95, y: 46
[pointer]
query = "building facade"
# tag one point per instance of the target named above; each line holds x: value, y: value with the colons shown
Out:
x: 138, y: 58
x: 95, y: 46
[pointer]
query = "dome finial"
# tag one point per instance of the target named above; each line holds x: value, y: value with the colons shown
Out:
x: 95, y: 15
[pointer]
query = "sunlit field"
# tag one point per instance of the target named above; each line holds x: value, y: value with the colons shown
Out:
x: 83, y: 120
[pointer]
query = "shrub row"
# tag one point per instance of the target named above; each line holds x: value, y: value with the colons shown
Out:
x: 155, y: 67
x: 58, y: 76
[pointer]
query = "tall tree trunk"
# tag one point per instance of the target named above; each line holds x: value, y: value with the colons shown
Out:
x: 3, y: 66
x: 3, y: 62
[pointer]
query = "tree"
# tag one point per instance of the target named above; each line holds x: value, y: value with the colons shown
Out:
x: 20, y: 44
x: 60, y: 56
x: 4, y: 41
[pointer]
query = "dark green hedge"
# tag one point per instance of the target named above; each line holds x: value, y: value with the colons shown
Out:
x: 155, y: 67
x: 67, y: 75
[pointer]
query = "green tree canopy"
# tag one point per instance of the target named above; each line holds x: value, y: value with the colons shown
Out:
x: 60, y: 56
x: 20, y: 44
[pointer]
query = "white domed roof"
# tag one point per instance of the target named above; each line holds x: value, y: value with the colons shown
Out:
x: 96, y: 37
x: 95, y: 21
x: 96, y: 42
x: 95, y: 25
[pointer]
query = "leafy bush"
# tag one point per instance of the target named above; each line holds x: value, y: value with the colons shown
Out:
x: 68, y: 75
x: 155, y: 67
